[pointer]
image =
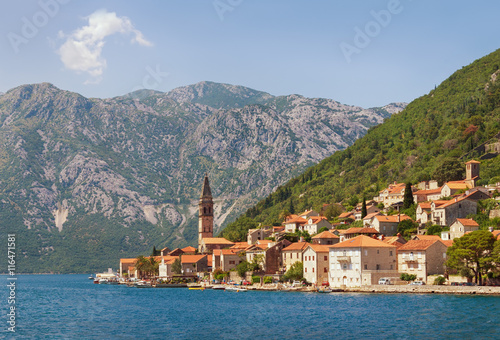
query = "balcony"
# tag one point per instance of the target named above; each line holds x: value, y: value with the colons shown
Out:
x: 344, y: 258
x: 409, y: 259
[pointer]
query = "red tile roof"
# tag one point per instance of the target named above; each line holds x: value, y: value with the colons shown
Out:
x: 325, y: 234
x: 427, y: 237
x: 189, y: 249
x: 192, y: 258
x: 467, y: 222
x: 473, y: 162
x: 319, y: 248
x: 365, y: 230
x: 217, y: 240
x: 392, y: 218
x: 417, y: 245
x: 362, y: 241
x: 296, y: 246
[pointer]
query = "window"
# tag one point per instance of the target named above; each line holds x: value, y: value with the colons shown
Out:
x: 325, y: 270
x: 390, y: 252
x: 345, y: 252
x: 366, y: 266
x: 305, y: 270
x: 313, y: 269
x: 344, y: 266
x: 232, y: 262
x: 391, y: 266
x: 378, y: 251
x: 313, y: 257
x: 325, y: 258
x: 366, y: 252
x: 444, y: 255
x: 378, y: 267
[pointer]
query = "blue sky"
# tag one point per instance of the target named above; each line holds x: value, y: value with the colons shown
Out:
x: 366, y: 53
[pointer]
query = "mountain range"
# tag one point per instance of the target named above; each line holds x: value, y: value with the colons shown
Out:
x: 85, y: 181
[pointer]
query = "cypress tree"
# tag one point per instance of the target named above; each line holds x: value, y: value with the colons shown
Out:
x: 363, y: 209
x: 408, y: 198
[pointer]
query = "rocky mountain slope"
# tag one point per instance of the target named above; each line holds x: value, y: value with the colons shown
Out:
x: 85, y: 181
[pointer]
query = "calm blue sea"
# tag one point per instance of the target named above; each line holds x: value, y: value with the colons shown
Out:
x: 72, y: 307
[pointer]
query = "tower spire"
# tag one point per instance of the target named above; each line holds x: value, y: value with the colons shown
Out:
x: 206, y: 192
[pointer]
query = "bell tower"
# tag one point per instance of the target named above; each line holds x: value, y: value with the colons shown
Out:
x: 206, y: 213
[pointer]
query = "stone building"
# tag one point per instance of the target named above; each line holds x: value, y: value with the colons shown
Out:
x: 422, y: 258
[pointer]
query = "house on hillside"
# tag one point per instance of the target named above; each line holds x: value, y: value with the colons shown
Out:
x: 388, y: 225
x: 325, y: 238
x: 447, y: 213
x: 294, y: 224
x: 424, y: 210
x: 422, y: 258
x: 316, y: 264
x: 353, y: 232
x: 451, y: 188
x: 226, y: 259
x: 315, y: 223
x: 461, y: 226
x: 361, y: 261
x: 427, y: 195
x: 254, y: 235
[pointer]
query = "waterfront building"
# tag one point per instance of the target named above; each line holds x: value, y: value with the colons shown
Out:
x: 422, y: 257
x: 361, y: 261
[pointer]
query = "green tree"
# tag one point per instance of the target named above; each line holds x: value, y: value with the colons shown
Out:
x: 141, y: 265
x: 284, y: 215
x: 332, y: 211
x: 291, y: 208
x: 440, y: 280
x: 242, y: 268
x: 177, y: 267
x: 295, y: 272
x: 322, y: 229
x: 451, y: 169
x: 407, y: 227
x: 473, y: 252
x: 408, y: 277
x: 408, y: 197
x: 363, y: 208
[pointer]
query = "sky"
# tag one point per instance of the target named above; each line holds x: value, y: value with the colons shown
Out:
x: 365, y: 53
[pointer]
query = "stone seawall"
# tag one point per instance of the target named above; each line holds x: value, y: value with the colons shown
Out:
x: 431, y: 289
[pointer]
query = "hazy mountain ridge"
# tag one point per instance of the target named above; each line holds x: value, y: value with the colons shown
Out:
x: 124, y: 173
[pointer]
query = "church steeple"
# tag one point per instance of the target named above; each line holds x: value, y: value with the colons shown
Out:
x: 206, y: 213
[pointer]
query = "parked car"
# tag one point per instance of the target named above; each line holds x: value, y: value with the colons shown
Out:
x: 384, y: 281
x: 297, y: 284
x: 417, y: 283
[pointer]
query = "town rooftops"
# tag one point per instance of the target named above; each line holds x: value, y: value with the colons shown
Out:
x: 370, y: 216
x: 392, y: 218
x: 239, y: 245
x: 218, y: 252
x: 189, y: 249
x: 467, y: 222
x: 457, y: 185
x: 297, y: 219
x: 217, y: 240
x: 297, y: 246
x: 364, y: 230
x: 428, y: 192
x: 318, y: 248
x: 192, y: 258
x: 362, y: 241
x: 346, y: 214
x: 325, y: 234
x: 426, y: 237
x: 417, y: 245
x: 452, y: 202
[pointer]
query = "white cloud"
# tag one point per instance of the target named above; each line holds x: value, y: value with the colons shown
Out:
x: 81, y: 52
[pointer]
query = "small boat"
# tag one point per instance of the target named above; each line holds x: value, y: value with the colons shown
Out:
x: 236, y: 289
x: 143, y: 284
x: 91, y: 277
x: 103, y: 281
x: 219, y: 287
x: 196, y: 288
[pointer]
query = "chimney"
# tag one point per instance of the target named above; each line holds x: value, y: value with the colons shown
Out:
x: 301, y: 239
x: 456, y: 198
x: 490, y: 229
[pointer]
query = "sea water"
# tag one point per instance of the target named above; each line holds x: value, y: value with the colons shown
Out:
x: 73, y: 307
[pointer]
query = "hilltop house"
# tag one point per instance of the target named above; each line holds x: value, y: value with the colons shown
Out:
x: 361, y: 261
x: 393, y: 194
x: 388, y: 225
x: 316, y: 263
x: 422, y: 257
x: 424, y: 211
x: 254, y: 235
x: 447, y: 213
x: 315, y: 223
x: 461, y: 226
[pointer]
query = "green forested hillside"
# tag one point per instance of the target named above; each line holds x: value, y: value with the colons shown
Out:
x: 445, y: 125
